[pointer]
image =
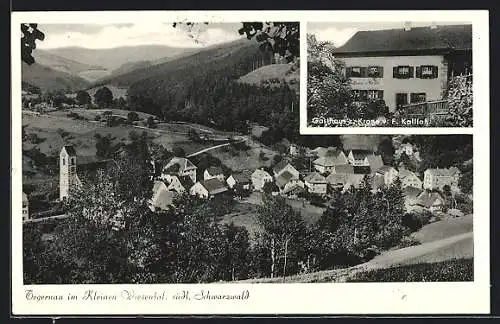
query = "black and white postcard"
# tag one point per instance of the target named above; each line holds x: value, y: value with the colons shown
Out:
x: 159, y: 165
x: 393, y: 74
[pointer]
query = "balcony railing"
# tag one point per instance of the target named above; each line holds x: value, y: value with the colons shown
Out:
x: 429, y: 109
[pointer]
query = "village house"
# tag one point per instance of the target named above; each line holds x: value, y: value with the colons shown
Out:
x: 354, y: 180
x: 293, y: 191
x: 438, y: 178
x: 259, y: 178
x: 180, y: 167
x: 214, y: 172
x: 179, y: 184
x: 26, y: 214
x: 375, y: 162
x: 239, y: 180
x: 378, y: 182
x: 339, y: 175
x: 406, y: 65
x: 208, y: 188
x: 332, y: 158
x: 389, y: 173
x: 409, y: 179
x: 286, y: 179
x: 411, y: 195
x: 162, y: 197
x: 316, y: 183
x: 322, y: 151
x: 359, y: 157
x: 431, y: 200
x: 284, y: 166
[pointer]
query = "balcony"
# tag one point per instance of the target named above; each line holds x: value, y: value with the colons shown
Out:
x: 430, y: 109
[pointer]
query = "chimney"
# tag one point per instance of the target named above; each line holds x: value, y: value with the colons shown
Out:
x: 434, y: 25
x: 407, y: 25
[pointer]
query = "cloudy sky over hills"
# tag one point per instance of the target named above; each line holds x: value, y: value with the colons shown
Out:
x: 339, y: 33
x: 98, y: 36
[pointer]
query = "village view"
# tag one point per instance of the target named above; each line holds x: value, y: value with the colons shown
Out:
x: 191, y: 169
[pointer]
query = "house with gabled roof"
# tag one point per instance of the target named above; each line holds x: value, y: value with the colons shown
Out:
x: 214, y: 172
x: 440, y: 177
x: 286, y: 179
x: 389, y: 174
x: 358, y: 157
x: 259, y: 178
x: 327, y: 162
x: 411, y: 195
x: 179, y: 184
x: 316, y: 183
x: 431, y: 200
x: 293, y: 191
x: 285, y: 166
x: 208, y: 188
x: 239, y: 180
x: 409, y: 179
x: 406, y: 65
x: 162, y: 198
x: 180, y: 166
x: 353, y: 180
x: 375, y: 162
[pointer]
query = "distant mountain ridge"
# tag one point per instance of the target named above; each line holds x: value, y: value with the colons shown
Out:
x: 50, y: 79
x: 113, y: 58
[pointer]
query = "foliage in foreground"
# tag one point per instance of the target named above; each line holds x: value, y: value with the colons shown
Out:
x: 455, y: 270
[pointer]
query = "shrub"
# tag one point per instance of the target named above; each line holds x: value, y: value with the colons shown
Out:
x: 416, y: 220
x: 178, y: 151
x: 34, y: 139
x: 132, y: 116
x: 454, y: 270
x: 408, y: 241
x: 150, y: 122
x: 62, y: 132
x: 97, y: 118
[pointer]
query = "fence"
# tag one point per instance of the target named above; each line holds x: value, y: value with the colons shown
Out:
x: 430, y: 109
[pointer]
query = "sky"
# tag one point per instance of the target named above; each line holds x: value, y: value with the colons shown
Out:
x: 98, y: 36
x: 339, y: 33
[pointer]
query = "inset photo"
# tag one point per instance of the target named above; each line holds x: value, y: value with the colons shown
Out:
x: 394, y: 74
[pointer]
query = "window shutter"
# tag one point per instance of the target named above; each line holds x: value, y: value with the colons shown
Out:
x: 364, y: 72
x: 348, y: 71
x: 411, y: 72
x: 395, y: 72
x: 434, y: 72
x: 418, y: 72
x: 380, y: 72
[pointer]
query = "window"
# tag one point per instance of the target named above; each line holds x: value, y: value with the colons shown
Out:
x: 375, y: 94
x: 417, y: 97
x: 375, y: 71
x: 401, y: 99
x: 72, y: 161
x: 354, y: 71
x: 64, y: 162
x: 402, y: 72
x: 360, y: 95
x: 427, y: 72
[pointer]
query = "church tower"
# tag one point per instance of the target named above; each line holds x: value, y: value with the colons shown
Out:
x: 67, y: 170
